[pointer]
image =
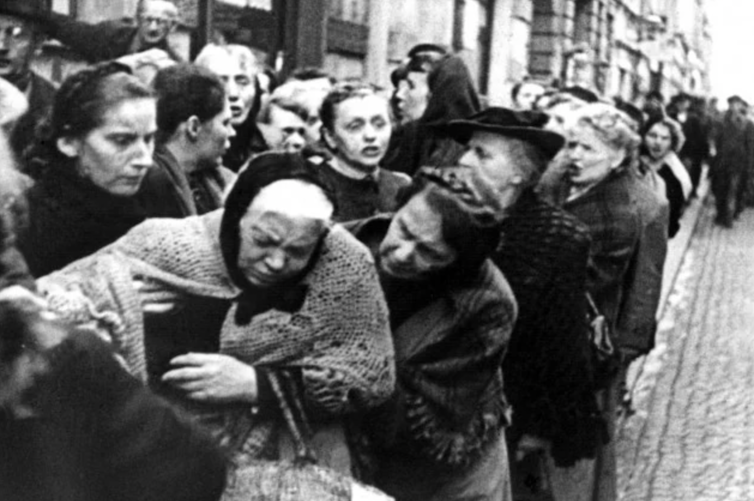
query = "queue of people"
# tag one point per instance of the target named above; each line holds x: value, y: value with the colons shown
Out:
x: 207, y: 276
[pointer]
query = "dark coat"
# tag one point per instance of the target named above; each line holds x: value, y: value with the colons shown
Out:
x: 424, y: 142
x: 70, y: 218
x: 676, y: 200
x: 450, y: 335
x: 98, y: 42
x: 167, y: 191
x: 41, y: 95
x: 548, y: 376
x: 99, y: 434
x: 361, y: 198
x: 696, y: 146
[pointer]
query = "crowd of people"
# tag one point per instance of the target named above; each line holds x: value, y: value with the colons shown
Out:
x: 209, y: 272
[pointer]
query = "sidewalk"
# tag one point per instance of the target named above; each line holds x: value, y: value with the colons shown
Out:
x: 692, y: 436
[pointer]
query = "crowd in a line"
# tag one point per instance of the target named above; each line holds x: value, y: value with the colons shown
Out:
x: 218, y: 284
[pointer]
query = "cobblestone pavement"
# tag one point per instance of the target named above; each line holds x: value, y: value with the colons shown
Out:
x: 692, y: 436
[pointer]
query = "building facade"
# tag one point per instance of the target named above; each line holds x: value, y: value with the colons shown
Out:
x: 616, y: 47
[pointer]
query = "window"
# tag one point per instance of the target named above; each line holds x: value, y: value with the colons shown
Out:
x: 354, y: 11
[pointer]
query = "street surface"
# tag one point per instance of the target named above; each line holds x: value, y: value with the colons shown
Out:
x: 692, y: 435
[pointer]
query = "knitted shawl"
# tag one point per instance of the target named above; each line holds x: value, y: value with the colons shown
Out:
x: 339, y: 339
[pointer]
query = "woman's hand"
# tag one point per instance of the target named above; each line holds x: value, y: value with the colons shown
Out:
x: 213, y: 378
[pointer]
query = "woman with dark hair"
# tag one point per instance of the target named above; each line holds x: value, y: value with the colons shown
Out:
x: 431, y: 92
x: 356, y: 130
x: 285, y: 306
x: 452, y: 312
x: 662, y: 140
x: 89, y: 164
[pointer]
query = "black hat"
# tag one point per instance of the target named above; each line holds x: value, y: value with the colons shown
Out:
x: 737, y: 99
x: 524, y: 125
x: 439, y: 50
x: 582, y: 93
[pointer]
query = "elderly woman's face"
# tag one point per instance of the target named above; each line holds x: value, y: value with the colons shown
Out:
x: 590, y: 158
x: 115, y: 155
x: 239, y: 81
x: 414, y: 246
x: 658, y: 141
x: 275, y: 247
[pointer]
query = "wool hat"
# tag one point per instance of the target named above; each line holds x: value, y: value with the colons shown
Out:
x: 524, y: 125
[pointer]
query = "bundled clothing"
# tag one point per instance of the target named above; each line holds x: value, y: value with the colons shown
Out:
x: 332, y: 335
x: 97, y: 433
x: 543, y: 254
x: 447, y: 413
x: 424, y: 142
x: 98, y: 42
x: 169, y: 191
x: 70, y: 217
x: 361, y: 198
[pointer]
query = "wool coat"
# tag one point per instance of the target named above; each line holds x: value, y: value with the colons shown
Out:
x: 609, y: 211
x: 543, y: 254
x: 70, y: 217
x: 450, y: 336
x: 642, y: 289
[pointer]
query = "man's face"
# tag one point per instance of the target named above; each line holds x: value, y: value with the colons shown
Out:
x: 156, y: 21
x: 239, y: 85
x: 491, y: 160
x: 412, y: 95
x: 414, y: 246
x: 16, y: 46
x: 214, y: 139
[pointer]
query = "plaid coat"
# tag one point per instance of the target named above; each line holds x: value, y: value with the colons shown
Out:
x: 610, y: 212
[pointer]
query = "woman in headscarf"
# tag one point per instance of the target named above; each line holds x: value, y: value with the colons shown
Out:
x: 263, y: 302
